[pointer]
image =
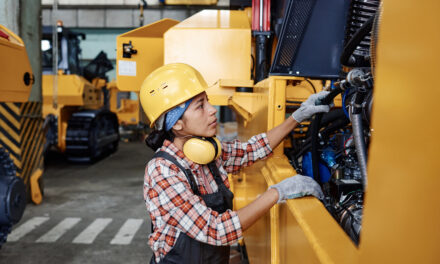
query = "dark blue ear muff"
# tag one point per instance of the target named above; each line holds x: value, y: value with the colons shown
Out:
x: 202, y: 150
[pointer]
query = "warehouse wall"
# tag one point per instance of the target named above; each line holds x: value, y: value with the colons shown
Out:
x: 9, y: 10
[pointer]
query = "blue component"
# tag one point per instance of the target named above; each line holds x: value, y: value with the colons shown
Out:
x: 328, y: 156
x: 324, y: 172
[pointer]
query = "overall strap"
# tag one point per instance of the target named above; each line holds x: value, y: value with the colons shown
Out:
x: 189, y: 176
x: 227, y: 194
x: 216, y: 173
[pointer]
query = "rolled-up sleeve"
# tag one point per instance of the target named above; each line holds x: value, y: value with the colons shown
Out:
x: 237, y: 154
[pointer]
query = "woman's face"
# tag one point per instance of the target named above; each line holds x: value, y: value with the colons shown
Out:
x: 199, y: 118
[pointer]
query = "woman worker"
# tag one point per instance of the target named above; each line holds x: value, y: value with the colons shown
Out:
x: 186, y: 188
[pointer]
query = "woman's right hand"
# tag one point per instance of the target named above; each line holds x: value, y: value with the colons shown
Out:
x: 297, y: 186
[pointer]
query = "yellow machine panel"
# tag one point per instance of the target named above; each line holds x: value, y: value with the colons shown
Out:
x: 139, y: 52
x: 16, y: 72
x: 128, y: 111
x: 215, y: 42
x: 72, y: 90
x: 401, y: 208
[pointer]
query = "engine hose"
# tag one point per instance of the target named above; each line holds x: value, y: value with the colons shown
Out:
x: 358, y: 135
x: 314, y: 133
x: 356, y: 40
x: 338, y: 121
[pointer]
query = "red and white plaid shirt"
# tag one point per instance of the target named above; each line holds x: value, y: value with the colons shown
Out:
x: 174, y: 208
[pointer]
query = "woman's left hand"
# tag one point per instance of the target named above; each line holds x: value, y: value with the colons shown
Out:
x: 309, y: 107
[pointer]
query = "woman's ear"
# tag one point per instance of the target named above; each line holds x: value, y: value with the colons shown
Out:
x: 178, y: 125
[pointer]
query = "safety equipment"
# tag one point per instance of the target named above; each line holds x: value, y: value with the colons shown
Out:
x: 202, y: 150
x: 169, y: 86
x: 311, y: 107
x: 297, y: 186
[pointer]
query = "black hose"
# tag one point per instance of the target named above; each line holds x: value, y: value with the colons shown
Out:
x: 314, y: 132
x: 313, y: 86
x: 332, y: 121
x: 356, y: 40
x: 358, y: 133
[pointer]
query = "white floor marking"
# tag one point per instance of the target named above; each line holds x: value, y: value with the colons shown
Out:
x: 127, y: 232
x: 26, y: 228
x: 55, y: 233
x: 88, y: 235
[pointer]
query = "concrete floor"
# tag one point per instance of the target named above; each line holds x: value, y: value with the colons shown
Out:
x: 109, y: 191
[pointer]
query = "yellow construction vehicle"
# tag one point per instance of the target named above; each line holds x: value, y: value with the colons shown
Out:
x: 21, y: 134
x: 73, y: 99
x: 380, y: 201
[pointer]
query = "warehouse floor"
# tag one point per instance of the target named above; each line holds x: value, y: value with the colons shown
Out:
x: 90, y: 213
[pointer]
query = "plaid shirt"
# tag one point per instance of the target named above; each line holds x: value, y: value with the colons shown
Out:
x: 174, y: 208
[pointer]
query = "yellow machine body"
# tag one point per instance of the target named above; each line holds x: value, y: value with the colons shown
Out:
x: 21, y: 133
x: 72, y: 92
x: 147, y: 41
x: 128, y: 110
x: 215, y: 42
x: 15, y: 64
x: 400, y: 218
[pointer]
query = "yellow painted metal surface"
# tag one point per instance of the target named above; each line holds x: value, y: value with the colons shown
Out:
x: 21, y: 135
x: 401, y: 220
x: 215, y: 42
x: 148, y: 43
x: 128, y: 111
x: 36, y: 194
x: 73, y: 90
x: 13, y: 67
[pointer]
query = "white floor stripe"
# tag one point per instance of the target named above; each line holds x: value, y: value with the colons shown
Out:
x: 127, y: 232
x: 55, y: 233
x: 25, y: 228
x: 88, y: 235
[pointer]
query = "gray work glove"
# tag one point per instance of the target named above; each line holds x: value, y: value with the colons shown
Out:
x: 297, y: 186
x: 308, y: 108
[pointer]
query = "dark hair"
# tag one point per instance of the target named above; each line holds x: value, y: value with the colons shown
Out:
x: 156, y: 138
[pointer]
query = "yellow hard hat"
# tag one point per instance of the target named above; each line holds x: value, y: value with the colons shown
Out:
x: 169, y: 86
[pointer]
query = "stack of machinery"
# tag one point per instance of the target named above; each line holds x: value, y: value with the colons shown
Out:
x: 318, y: 44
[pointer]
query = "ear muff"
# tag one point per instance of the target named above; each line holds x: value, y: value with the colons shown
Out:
x: 202, y: 150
